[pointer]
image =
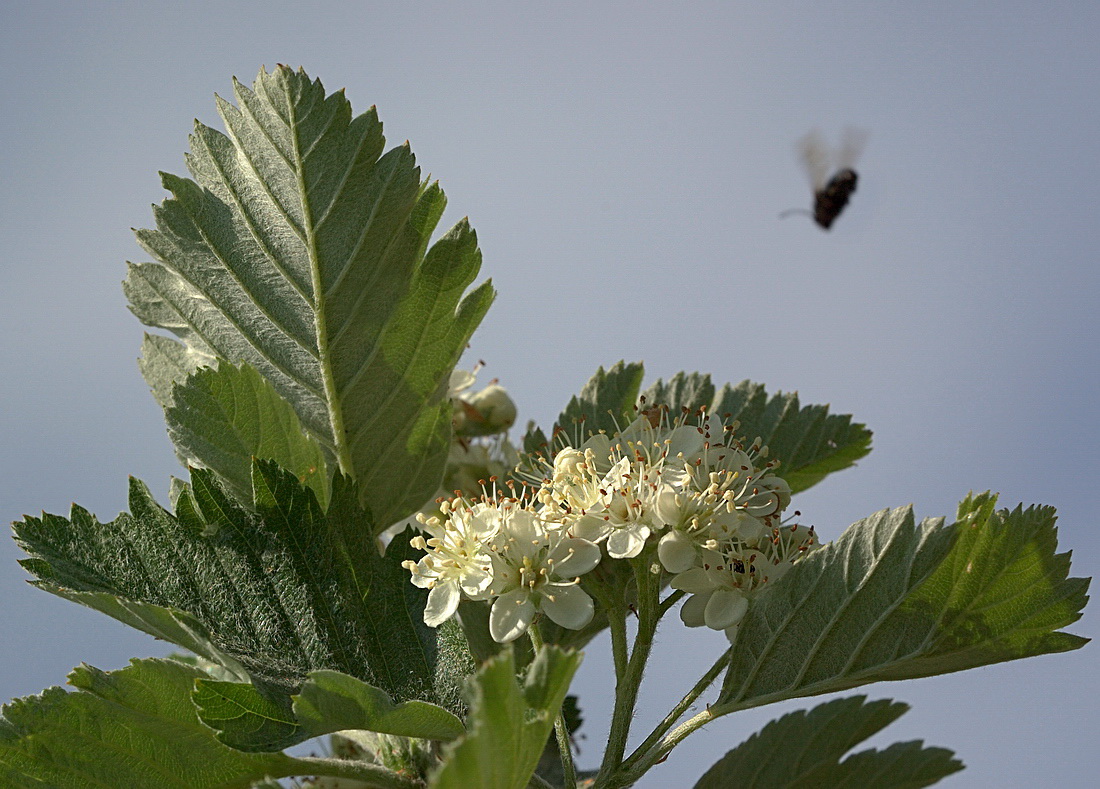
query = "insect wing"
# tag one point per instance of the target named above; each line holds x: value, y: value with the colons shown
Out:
x: 852, y: 144
x: 815, y: 158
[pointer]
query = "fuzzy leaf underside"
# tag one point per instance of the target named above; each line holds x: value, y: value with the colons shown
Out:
x: 129, y: 728
x: 891, y: 599
x: 804, y: 750
x: 282, y: 587
x: 301, y: 249
x: 508, y: 725
x: 809, y: 441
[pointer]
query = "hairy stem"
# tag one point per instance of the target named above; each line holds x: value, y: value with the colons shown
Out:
x: 677, y: 711
x: 629, y: 681
x: 666, y: 745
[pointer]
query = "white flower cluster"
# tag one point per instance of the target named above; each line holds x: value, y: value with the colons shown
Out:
x: 501, y: 550
x: 712, y: 506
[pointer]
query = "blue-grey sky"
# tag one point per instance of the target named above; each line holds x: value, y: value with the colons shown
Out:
x: 624, y: 166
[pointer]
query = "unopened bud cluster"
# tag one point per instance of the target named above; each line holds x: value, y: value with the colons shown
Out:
x: 712, y: 506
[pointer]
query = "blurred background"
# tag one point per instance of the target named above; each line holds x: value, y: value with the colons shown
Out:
x: 624, y: 166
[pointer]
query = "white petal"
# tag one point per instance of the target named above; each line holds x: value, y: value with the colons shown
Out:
x: 725, y: 608
x: 676, y: 552
x: 600, y: 445
x: 579, y: 557
x: 590, y: 527
x: 627, y: 543
x: 693, y: 581
x: 510, y: 616
x: 687, y: 441
x: 528, y: 531
x: 692, y: 613
x: 736, y: 525
x: 567, y: 605
x: 460, y: 379
x: 475, y: 583
x: 442, y: 603
x: 669, y: 505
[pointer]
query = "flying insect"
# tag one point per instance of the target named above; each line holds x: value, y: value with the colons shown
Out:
x: 831, y: 194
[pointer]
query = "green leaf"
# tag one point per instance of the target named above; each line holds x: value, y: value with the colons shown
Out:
x: 248, y: 719
x: 803, y: 750
x: 332, y: 702
x: 136, y: 728
x: 508, y: 725
x: 245, y: 718
x: 133, y: 727
x: 809, y: 441
x: 222, y: 418
x: 166, y: 363
x: 283, y: 587
x: 302, y: 250
x: 892, y: 600
x: 683, y: 390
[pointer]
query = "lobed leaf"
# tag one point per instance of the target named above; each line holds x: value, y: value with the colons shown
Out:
x: 133, y: 727
x: 301, y: 249
x: 331, y: 701
x: 803, y: 750
x: 809, y: 441
x: 893, y: 600
x: 508, y: 725
x: 282, y: 588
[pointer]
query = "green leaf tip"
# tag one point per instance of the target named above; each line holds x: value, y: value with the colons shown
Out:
x: 137, y: 727
x: 805, y: 749
x: 300, y: 248
x: 892, y: 599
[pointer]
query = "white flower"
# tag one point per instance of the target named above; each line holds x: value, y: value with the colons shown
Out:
x: 727, y: 573
x: 623, y: 513
x: 535, y: 566
x: 456, y: 561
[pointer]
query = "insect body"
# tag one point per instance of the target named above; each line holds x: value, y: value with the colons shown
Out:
x: 830, y: 200
x: 831, y: 195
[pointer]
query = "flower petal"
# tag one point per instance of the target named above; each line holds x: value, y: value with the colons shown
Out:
x: 567, y: 605
x: 590, y: 527
x: 676, y: 551
x: 579, y: 557
x: 510, y: 616
x: 626, y: 543
x: 692, y: 613
x: 725, y: 608
x: 442, y: 603
x: 693, y: 581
